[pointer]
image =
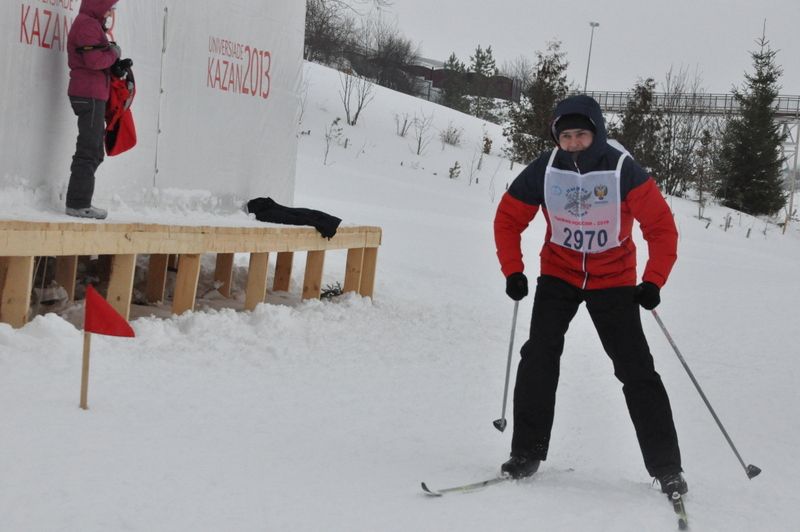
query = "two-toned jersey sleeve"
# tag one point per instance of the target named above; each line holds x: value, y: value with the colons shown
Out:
x: 511, y: 219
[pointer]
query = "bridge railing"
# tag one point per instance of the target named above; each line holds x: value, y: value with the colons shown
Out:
x: 695, y: 103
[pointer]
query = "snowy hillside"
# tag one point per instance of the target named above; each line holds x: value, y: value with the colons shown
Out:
x: 326, y: 415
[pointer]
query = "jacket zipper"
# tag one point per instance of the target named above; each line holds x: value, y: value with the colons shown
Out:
x: 583, y: 259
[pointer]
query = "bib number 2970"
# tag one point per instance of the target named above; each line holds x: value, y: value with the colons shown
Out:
x: 579, y: 239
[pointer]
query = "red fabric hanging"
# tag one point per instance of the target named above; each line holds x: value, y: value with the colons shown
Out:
x: 120, y: 128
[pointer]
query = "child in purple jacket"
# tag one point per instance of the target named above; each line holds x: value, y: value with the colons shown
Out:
x: 90, y: 56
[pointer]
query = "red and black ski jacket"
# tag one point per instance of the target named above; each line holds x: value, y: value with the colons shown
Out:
x: 567, y: 254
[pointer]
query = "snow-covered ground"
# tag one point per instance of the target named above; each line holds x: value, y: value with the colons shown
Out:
x: 326, y: 415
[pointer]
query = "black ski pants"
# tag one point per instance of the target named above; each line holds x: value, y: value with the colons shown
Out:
x: 89, y: 150
x: 616, y: 317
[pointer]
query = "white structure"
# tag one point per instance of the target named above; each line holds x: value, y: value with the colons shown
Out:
x: 217, y: 101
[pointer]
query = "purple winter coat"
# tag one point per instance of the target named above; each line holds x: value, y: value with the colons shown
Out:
x: 88, y: 75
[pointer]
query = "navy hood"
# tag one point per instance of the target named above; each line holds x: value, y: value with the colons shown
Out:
x: 588, y: 107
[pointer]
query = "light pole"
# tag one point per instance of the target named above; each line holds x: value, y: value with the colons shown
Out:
x: 589, y: 60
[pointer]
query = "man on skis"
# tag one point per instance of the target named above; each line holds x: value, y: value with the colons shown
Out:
x: 589, y: 194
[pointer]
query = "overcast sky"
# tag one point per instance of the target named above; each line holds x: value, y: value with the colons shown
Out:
x: 635, y: 39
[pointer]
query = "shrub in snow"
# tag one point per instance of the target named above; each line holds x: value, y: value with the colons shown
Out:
x: 455, y: 170
x: 487, y: 143
x: 451, y: 135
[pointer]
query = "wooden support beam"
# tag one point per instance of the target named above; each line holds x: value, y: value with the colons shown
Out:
x: 22, y: 241
x: 3, y: 270
x: 120, y: 283
x: 368, y: 273
x: 312, y: 281
x: 156, y: 278
x: 46, y: 239
x: 256, y: 280
x: 15, y: 290
x: 186, y: 283
x: 67, y: 273
x: 352, y: 273
x: 223, y: 273
x: 283, y: 271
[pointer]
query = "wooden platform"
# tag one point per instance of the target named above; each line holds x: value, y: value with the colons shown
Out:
x: 22, y: 242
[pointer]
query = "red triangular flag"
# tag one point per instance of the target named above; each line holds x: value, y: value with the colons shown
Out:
x: 101, y: 318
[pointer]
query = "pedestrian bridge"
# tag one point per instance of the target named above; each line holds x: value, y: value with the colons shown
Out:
x: 787, y: 115
x: 787, y: 108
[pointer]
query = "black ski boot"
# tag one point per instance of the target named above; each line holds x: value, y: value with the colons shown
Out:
x: 672, y: 482
x: 520, y: 467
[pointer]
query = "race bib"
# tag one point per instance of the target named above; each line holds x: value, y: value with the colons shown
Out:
x: 584, y: 209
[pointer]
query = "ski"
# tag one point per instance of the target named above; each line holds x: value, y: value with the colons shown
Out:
x: 465, y: 488
x: 680, y: 510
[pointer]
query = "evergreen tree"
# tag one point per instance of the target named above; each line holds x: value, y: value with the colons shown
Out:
x: 482, y: 67
x: 528, y: 130
x: 640, y: 127
x: 483, y: 62
x: 454, y: 85
x: 750, y: 159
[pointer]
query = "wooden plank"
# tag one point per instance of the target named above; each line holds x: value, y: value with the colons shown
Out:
x: 312, y: 280
x: 223, y: 273
x: 352, y: 273
x: 56, y: 239
x: 67, y: 273
x: 120, y: 283
x: 368, y: 273
x: 186, y: 283
x: 156, y: 277
x: 283, y: 271
x: 256, y: 280
x: 15, y: 291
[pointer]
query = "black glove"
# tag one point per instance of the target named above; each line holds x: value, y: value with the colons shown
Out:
x: 517, y: 286
x: 648, y: 295
x: 120, y: 67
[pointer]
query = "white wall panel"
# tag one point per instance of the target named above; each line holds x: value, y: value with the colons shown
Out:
x: 215, y: 133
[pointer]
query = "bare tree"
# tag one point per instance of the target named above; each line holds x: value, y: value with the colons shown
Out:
x: 377, y: 4
x: 683, y: 124
x: 356, y: 87
x: 492, y: 192
x: 520, y: 68
x: 329, y: 30
x: 385, y: 55
x: 402, y: 124
x: 333, y: 134
x: 303, y: 98
x: 421, y: 137
x: 475, y: 165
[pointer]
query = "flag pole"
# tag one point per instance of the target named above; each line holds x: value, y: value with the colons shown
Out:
x: 87, y: 340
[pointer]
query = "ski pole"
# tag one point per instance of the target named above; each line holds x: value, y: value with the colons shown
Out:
x: 750, y: 470
x: 500, y: 424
